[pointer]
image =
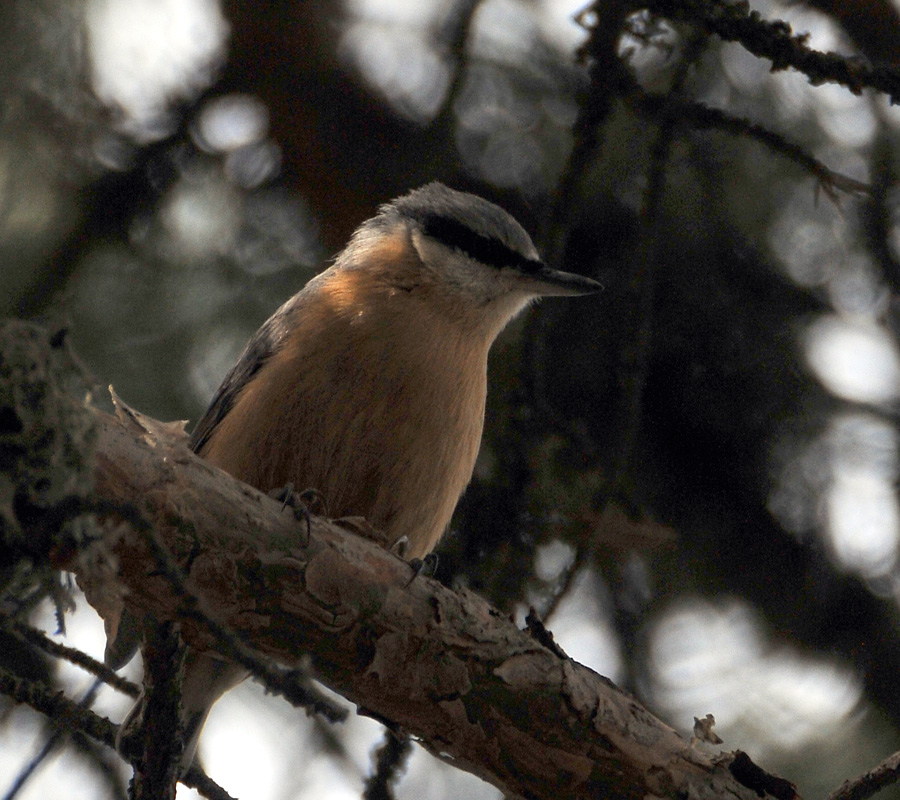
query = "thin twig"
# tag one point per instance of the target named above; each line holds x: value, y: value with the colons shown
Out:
x: 774, y: 40
x: 63, y: 711
x: 454, y: 36
x: 74, y: 656
x: 58, y: 707
x: 56, y: 738
x: 608, y: 77
x: 390, y: 761
x: 698, y: 115
x: 886, y: 773
x: 196, y: 778
x: 878, y: 217
x: 644, y: 281
x: 564, y: 585
x: 158, y: 762
x: 636, y: 358
x: 608, y: 81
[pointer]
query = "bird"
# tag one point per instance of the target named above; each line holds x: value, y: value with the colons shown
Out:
x: 369, y: 384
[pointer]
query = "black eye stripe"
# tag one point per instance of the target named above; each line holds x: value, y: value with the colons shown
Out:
x: 487, y: 250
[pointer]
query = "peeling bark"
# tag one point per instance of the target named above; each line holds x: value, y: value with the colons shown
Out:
x: 442, y: 666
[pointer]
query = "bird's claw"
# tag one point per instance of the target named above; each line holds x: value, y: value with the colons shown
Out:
x: 305, y: 504
x: 426, y: 566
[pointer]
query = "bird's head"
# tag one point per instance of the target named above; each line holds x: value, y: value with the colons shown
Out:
x: 464, y: 248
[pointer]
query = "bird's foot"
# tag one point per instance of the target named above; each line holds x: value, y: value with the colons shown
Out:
x: 426, y: 566
x: 305, y: 504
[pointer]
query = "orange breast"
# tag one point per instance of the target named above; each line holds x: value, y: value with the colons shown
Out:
x: 373, y: 401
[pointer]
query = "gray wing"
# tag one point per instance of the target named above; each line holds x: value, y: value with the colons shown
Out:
x: 264, y: 343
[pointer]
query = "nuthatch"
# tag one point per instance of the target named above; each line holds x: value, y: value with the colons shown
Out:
x: 369, y: 384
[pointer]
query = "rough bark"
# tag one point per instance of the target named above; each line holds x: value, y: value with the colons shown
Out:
x: 441, y: 665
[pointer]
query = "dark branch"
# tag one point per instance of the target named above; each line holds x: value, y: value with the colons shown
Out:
x: 158, y: 760
x: 390, y: 761
x: 74, y: 718
x: 58, y: 707
x: 876, y: 779
x: 76, y: 657
x: 774, y: 40
x: 700, y: 116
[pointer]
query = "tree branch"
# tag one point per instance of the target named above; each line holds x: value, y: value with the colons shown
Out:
x: 75, y: 718
x: 37, y: 639
x: 876, y: 779
x: 442, y: 666
x: 774, y: 40
x: 697, y: 115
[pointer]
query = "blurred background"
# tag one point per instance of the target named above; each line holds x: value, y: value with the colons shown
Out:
x: 691, y: 476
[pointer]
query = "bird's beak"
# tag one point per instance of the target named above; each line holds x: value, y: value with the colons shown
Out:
x: 553, y: 282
